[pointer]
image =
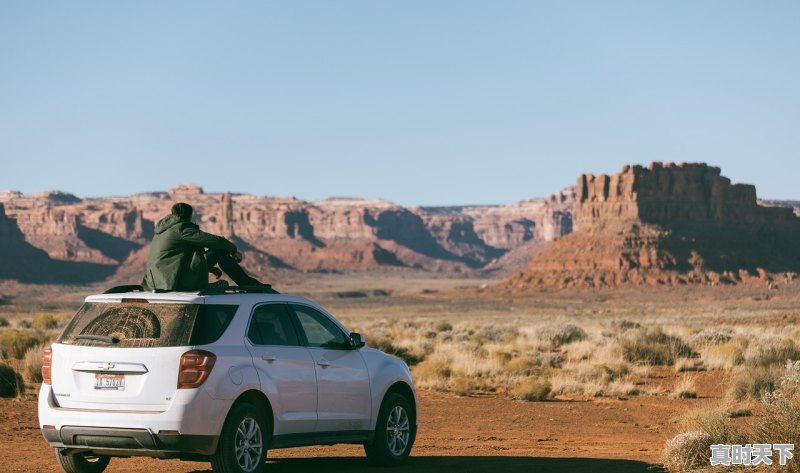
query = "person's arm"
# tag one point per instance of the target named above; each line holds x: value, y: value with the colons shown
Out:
x: 194, y: 236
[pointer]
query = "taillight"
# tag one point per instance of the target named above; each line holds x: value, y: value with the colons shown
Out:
x: 47, y: 365
x: 195, y: 367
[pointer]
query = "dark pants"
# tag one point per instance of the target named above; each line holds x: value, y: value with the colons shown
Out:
x: 230, y: 267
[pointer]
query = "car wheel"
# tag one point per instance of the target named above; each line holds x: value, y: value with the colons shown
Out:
x: 394, y: 432
x: 242, y: 447
x: 81, y: 462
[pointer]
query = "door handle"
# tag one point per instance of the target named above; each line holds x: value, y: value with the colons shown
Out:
x: 269, y: 357
x: 324, y: 363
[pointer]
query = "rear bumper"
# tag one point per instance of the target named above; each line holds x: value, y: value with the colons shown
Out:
x: 189, y: 426
x: 129, y: 442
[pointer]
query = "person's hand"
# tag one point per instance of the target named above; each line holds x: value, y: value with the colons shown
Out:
x: 238, y: 256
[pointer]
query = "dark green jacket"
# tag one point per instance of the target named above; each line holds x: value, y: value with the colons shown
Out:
x: 176, y: 261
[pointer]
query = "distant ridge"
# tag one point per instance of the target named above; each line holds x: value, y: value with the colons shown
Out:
x: 279, y: 233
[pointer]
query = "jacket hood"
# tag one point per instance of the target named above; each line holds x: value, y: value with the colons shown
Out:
x: 168, y: 222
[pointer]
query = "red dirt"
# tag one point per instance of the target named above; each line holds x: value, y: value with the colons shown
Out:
x: 456, y: 434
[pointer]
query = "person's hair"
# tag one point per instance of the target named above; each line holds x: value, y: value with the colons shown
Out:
x: 182, y: 210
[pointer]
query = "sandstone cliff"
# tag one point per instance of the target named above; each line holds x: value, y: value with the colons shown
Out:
x: 667, y: 224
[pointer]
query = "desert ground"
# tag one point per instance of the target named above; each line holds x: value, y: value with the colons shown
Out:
x: 580, y: 380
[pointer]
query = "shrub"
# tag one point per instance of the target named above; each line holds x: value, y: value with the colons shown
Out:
x: 622, y: 325
x: 494, y: 334
x: 559, y: 335
x: 703, y: 427
x: 525, y: 365
x: 11, y: 384
x: 687, y: 451
x: 689, y: 364
x: 4, y: 322
x: 753, y: 382
x: 714, y: 422
x: 684, y: 389
x: 724, y: 356
x: 432, y: 373
x: 444, y: 327
x: 608, y: 372
x: 780, y: 422
x: 712, y: 336
x: 532, y: 388
x: 32, y: 364
x: 621, y: 388
x: 462, y: 385
x: 400, y: 352
x: 771, y: 352
x: 16, y: 342
x: 653, y: 347
x: 45, y: 322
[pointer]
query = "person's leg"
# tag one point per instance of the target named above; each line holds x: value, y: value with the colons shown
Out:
x: 231, y: 268
x: 212, y: 258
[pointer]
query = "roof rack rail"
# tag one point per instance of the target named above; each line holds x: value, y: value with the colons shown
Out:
x: 125, y: 288
x: 215, y: 291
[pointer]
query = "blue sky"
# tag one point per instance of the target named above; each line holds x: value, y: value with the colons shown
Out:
x: 418, y: 102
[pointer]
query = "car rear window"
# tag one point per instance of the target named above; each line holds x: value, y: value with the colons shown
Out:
x: 144, y: 325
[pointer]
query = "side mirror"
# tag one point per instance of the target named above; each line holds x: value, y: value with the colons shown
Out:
x: 356, y: 341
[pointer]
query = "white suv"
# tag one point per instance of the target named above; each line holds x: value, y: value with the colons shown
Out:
x: 219, y: 375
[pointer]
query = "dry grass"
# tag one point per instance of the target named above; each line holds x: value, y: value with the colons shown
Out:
x: 685, y: 388
x: 725, y: 356
x: 687, y: 451
x: 584, y: 357
x: 32, y: 364
x: 15, y: 342
x: 653, y: 346
x: 47, y: 321
x: 779, y: 423
x: 532, y: 388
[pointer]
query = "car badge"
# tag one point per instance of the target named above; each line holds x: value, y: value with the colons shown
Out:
x: 107, y: 366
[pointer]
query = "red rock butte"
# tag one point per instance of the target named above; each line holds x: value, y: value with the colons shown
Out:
x: 667, y: 224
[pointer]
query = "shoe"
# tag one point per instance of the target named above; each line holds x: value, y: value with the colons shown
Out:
x: 220, y: 283
x: 256, y: 282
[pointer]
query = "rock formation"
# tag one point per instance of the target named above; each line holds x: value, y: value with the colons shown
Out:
x: 667, y: 224
x: 289, y: 234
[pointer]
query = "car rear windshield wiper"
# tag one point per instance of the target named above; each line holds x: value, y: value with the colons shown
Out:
x: 99, y: 338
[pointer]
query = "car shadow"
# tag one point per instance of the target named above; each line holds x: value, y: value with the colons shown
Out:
x: 464, y: 464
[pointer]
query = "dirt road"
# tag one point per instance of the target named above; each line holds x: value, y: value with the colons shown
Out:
x: 461, y: 434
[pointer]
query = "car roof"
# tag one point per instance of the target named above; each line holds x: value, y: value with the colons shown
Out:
x: 196, y: 298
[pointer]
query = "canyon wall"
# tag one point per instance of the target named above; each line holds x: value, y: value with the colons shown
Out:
x: 286, y: 233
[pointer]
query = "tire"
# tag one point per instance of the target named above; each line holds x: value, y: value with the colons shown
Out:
x: 81, y: 462
x: 242, y: 446
x: 394, y: 432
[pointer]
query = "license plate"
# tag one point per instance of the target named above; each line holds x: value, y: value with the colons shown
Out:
x: 111, y: 382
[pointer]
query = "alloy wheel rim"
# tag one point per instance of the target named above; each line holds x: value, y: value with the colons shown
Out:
x: 398, y: 431
x: 248, y: 444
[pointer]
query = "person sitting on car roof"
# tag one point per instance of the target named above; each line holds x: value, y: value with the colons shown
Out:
x: 178, y: 260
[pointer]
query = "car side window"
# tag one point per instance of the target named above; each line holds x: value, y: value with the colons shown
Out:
x: 319, y: 329
x: 271, y: 324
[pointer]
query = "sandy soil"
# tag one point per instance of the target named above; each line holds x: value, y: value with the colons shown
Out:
x: 456, y: 434
x: 471, y: 434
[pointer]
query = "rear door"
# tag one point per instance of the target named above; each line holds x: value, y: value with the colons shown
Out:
x: 343, y: 390
x: 285, y: 368
x: 126, y: 356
